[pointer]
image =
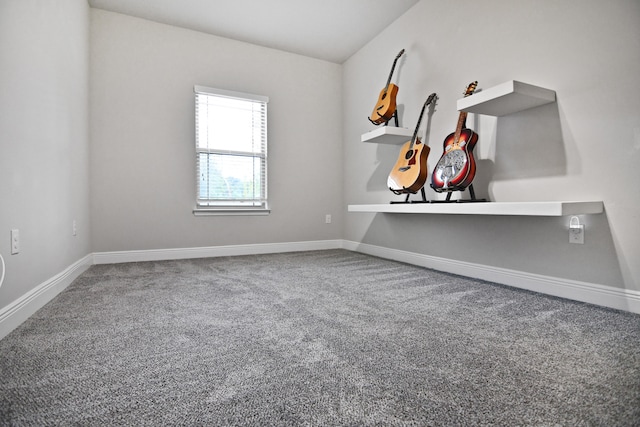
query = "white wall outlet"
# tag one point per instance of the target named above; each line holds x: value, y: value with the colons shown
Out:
x: 576, y: 234
x: 576, y: 230
x: 15, y: 241
x: 327, y: 219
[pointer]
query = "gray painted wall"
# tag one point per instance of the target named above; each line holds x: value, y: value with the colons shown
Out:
x: 44, y: 139
x: 584, y: 147
x: 142, y: 136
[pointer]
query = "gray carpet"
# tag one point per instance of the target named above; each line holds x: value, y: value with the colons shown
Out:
x: 315, y: 338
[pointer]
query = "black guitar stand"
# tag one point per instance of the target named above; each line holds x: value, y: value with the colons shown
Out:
x: 409, y: 193
x: 472, y: 193
x: 450, y: 193
x: 394, y: 117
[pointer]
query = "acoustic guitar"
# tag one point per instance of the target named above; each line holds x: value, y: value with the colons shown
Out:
x: 457, y: 167
x: 410, y: 171
x: 386, y: 105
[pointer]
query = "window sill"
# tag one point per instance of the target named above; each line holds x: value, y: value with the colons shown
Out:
x: 230, y: 211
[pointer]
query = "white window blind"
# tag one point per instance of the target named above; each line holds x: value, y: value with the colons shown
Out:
x: 231, y: 150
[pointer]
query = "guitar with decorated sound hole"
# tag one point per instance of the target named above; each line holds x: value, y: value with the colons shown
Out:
x: 386, y: 105
x: 410, y: 171
x: 457, y: 167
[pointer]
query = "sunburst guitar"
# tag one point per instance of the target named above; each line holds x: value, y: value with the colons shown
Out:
x: 409, y: 174
x: 457, y: 167
x: 386, y: 105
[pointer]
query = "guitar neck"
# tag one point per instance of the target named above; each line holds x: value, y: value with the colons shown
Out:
x: 462, y: 123
x: 393, y: 67
x: 391, y: 73
x: 462, y: 120
x: 415, y: 132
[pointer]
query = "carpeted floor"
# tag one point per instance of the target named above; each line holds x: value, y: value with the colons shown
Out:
x: 315, y: 338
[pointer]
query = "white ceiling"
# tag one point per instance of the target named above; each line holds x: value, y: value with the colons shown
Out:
x: 332, y: 30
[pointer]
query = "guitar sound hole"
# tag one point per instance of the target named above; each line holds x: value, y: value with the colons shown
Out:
x: 408, y: 155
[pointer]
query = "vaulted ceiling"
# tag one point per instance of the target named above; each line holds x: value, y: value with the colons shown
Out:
x: 331, y: 30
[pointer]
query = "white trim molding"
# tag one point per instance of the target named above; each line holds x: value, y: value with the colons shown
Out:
x: 212, y: 251
x: 12, y: 315
x: 592, y: 293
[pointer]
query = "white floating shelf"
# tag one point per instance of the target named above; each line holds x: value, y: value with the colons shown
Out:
x: 487, y: 208
x: 506, y: 98
x: 388, y: 135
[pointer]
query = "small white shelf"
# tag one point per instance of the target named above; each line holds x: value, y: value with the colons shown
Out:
x: 388, y: 135
x: 487, y: 208
x: 506, y: 98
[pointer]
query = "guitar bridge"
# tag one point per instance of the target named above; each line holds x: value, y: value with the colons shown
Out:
x: 404, y: 168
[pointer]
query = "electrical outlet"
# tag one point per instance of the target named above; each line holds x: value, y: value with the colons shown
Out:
x: 576, y: 234
x: 75, y: 228
x: 327, y: 219
x: 15, y: 241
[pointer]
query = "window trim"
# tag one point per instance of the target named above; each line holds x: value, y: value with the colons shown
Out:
x: 230, y: 93
x: 231, y: 210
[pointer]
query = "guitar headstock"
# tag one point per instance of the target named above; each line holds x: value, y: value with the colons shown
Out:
x: 471, y: 88
x: 430, y: 99
x: 400, y: 54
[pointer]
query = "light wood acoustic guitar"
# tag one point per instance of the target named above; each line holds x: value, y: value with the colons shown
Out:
x: 410, y: 171
x: 457, y: 167
x: 386, y: 105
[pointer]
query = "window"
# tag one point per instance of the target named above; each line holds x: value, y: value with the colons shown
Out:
x: 231, y: 152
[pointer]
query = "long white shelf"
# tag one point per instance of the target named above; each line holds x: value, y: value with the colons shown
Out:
x: 388, y: 135
x: 487, y: 208
x: 506, y: 98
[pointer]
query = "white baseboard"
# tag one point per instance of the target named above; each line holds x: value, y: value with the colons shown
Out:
x: 21, y: 309
x: 606, y: 296
x: 212, y: 251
